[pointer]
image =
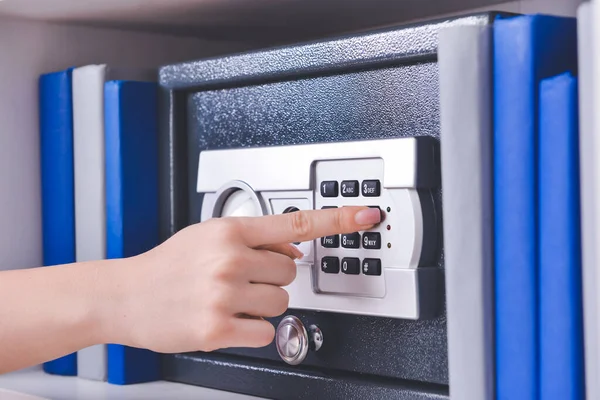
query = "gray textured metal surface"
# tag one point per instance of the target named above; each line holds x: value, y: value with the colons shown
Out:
x: 310, y: 58
x: 272, y: 381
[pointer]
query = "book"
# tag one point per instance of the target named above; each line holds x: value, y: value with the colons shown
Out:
x: 527, y: 49
x: 561, y: 329
x: 465, y: 70
x: 90, y: 185
x: 131, y: 200
x: 589, y: 170
x: 57, y: 186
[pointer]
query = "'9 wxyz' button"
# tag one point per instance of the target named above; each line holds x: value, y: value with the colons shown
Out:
x: 371, y: 240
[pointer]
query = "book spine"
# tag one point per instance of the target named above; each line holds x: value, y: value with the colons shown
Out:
x: 131, y: 201
x: 57, y: 187
x: 527, y: 49
x: 515, y: 218
x: 561, y: 330
x: 90, y: 210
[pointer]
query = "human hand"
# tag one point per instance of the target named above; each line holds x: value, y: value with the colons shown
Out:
x: 210, y: 285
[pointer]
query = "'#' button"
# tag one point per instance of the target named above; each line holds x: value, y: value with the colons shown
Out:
x: 371, y: 266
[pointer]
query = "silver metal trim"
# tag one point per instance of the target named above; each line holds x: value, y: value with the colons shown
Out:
x: 315, y: 337
x: 408, y: 163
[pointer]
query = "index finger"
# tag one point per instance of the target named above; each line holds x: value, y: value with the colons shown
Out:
x: 305, y: 225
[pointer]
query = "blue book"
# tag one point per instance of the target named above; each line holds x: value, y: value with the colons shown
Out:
x: 57, y: 184
x: 131, y: 201
x: 561, y: 312
x: 527, y: 49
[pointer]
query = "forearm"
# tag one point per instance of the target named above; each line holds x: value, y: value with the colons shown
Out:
x: 49, y: 312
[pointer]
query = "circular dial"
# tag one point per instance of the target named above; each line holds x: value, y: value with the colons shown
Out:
x: 237, y: 199
x: 240, y: 204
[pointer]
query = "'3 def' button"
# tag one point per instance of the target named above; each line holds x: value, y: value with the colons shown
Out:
x: 371, y: 188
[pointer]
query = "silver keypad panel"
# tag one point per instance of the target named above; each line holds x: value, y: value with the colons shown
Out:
x: 375, y: 272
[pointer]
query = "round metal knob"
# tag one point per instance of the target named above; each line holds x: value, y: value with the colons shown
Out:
x: 237, y: 199
x: 293, y: 341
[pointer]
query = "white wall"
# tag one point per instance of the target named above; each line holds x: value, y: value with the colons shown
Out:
x: 28, y: 49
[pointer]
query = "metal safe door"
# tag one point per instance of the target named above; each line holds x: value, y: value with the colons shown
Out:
x: 391, y: 103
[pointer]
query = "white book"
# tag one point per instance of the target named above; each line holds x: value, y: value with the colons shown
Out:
x: 465, y: 73
x: 589, y: 151
x: 90, y: 198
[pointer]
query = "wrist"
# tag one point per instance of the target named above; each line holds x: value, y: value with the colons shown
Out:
x: 109, y: 301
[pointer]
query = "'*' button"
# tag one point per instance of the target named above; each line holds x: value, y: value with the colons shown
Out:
x: 330, y: 265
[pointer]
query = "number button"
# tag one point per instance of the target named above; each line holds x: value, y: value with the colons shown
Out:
x: 350, y: 188
x: 371, y: 240
x: 371, y: 266
x: 371, y: 188
x: 351, y: 240
x: 330, y: 265
x: 330, y: 242
x: 351, y: 266
x: 329, y: 188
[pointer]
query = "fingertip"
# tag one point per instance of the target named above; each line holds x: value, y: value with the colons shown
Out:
x: 368, y: 216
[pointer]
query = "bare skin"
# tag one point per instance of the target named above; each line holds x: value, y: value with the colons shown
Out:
x: 208, y: 287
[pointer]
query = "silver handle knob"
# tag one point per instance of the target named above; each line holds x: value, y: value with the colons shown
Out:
x: 293, y: 340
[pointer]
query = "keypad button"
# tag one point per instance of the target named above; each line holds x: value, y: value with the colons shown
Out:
x: 380, y: 212
x: 330, y: 265
x: 371, y: 188
x: 371, y: 240
x: 350, y: 188
x: 331, y: 242
x: 351, y: 240
x: 371, y: 266
x: 329, y: 189
x: 351, y: 266
x: 327, y: 207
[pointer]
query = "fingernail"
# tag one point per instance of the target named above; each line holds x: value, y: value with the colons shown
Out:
x: 370, y: 216
x: 296, y: 252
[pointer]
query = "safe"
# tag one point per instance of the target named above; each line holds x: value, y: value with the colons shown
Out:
x: 352, y: 120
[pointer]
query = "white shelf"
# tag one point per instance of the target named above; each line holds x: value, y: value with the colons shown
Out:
x: 258, y: 21
x: 34, y: 384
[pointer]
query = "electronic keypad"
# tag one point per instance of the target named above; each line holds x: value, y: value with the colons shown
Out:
x: 387, y: 271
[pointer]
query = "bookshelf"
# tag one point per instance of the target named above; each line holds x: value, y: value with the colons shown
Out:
x: 38, y: 36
